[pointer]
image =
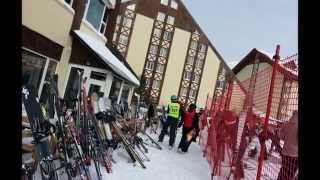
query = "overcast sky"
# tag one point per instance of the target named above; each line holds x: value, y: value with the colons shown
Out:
x: 236, y: 26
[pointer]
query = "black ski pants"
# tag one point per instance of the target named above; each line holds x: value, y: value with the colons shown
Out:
x: 184, y: 144
x: 173, y: 124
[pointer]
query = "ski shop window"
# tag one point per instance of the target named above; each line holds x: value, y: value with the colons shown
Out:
x: 51, y: 69
x: 125, y: 92
x: 115, y: 89
x: 32, y: 69
x: 95, y: 13
x: 72, y: 89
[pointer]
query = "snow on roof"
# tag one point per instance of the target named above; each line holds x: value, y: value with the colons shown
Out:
x: 265, y: 53
x: 105, y: 54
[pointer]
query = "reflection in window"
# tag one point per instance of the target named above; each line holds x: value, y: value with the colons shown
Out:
x: 150, y: 65
x: 160, y: 68
x: 190, y: 60
x: 32, y: 69
x: 123, y: 39
x: 163, y: 52
x: 156, y: 84
x: 161, y: 16
x: 167, y: 35
x: 127, y: 22
x: 153, y: 49
x: 157, y: 32
x: 98, y: 76
x: 170, y: 20
x: 164, y: 2
x: 95, y: 13
x: 174, y: 4
x: 187, y: 75
x: 72, y: 89
x: 115, y: 89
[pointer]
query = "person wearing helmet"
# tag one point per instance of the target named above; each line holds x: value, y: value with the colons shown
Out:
x: 174, y: 113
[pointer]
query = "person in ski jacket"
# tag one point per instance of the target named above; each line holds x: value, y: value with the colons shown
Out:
x: 150, y: 114
x: 174, y: 113
x: 289, y: 133
x: 189, y: 122
x: 196, y: 125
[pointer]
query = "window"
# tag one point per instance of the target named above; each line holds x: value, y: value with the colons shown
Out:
x: 161, y: 16
x: 192, y: 93
x: 170, y: 20
x: 123, y: 39
x: 187, y: 75
x: 167, y: 36
x: 132, y: 7
x: 103, y: 24
x: 72, y: 87
x: 163, y: 52
x: 174, y: 4
x: 114, y: 37
x: 125, y: 92
x: 160, y: 68
x: 150, y: 65
x: 183, y: 91
x: 196, y: 78
x: 203, y: 48
x: 193, y: 45
x: 115, y: 89
x: 156, y: 84
x: 164, y: 2
x: 199, y: 63
x: 127, y: 22
x: 190, y: 60
x: 98, y: 76
x: 153, y: 49
x: 32, y: 69
x: 69, y: 2
x: 157, y: 32
x: 95, y: 13
x: 44, y: 97
x: 118, y: 19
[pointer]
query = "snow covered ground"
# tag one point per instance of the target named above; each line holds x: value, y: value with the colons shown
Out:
x: 164, y: 164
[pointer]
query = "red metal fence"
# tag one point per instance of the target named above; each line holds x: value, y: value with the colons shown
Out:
x: 249, y: 128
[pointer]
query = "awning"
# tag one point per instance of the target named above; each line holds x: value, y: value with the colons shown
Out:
x: 106, y: 55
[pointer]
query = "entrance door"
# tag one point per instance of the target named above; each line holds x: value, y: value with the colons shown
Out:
x: 97, y: 82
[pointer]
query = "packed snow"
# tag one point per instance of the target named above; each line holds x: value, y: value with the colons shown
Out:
x: 163, y: 165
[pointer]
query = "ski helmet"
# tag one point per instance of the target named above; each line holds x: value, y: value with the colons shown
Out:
x: 174, y: 97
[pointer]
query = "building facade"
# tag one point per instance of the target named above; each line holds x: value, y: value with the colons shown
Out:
x: 166, y: 48
x: 67, y: 37
x: 257, y: 67
x: 157, y: 41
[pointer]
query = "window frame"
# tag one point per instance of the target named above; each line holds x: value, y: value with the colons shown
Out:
x: 103, y: 12
x: 45, y: 69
